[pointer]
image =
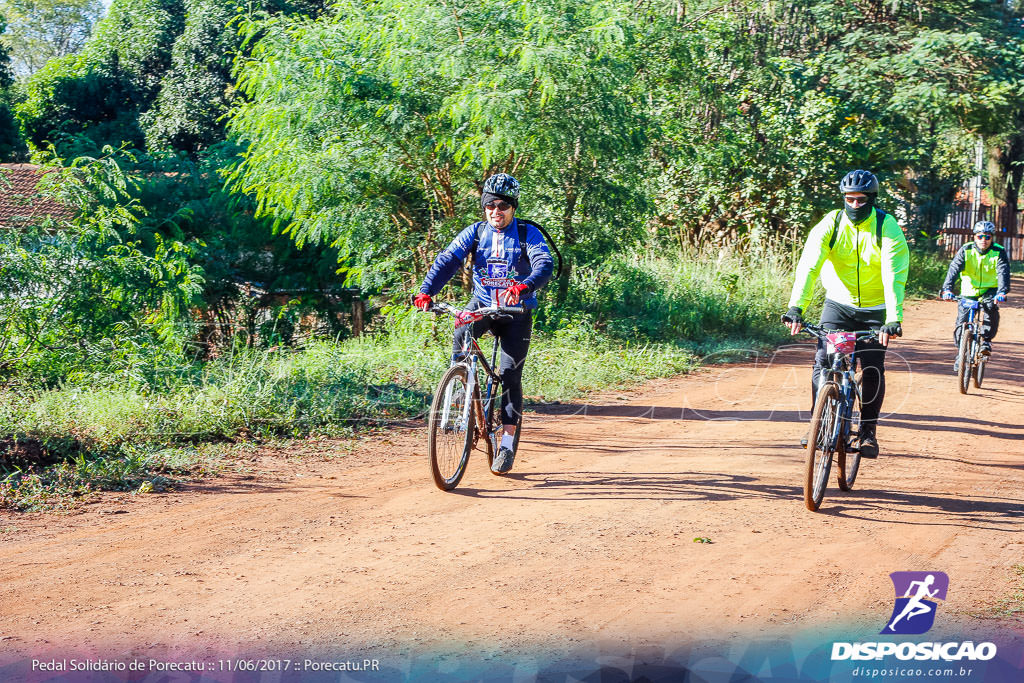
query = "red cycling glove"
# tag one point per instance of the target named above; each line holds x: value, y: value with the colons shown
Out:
x: 512, y: 294
x: 422, y: 301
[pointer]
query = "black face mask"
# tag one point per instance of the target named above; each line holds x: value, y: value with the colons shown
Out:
x: 859, y: 213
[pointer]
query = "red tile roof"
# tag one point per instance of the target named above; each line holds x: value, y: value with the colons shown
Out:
x: 21, y: 203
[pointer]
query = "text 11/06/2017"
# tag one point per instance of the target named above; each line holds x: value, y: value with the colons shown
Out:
x: 214, y: 665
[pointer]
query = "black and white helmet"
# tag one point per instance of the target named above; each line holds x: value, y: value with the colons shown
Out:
x: 502, y: 184
x: 984, y: 228
x: 859, y: 181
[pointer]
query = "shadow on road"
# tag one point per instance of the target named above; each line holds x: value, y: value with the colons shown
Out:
x: 975, y: 512
x: 674, y: 413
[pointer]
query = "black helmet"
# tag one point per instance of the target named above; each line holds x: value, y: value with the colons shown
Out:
x: 859, y: 181
x: 502, y: 184
x: 984, y: 228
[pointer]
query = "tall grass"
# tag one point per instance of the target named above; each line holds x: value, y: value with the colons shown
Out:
x: 631, y: 318
x: 697, y: 300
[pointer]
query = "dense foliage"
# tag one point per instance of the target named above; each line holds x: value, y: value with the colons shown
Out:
x: 10, y: 139
x: 373, y: 128
x: 161, y: 268
x: 238, y: 168
x: 41, y: 30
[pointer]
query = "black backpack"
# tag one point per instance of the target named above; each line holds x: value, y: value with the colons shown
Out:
x: 879, y: 219
x: 522, y: 239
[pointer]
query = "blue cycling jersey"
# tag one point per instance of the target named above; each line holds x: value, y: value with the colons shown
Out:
x: 499, y: 262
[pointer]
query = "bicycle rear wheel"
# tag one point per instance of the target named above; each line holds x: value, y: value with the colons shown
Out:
x: 849, y: 460
x: 979, y: 372
x: 451, y: 428
x: 821, y: 444
x: 963, y: 373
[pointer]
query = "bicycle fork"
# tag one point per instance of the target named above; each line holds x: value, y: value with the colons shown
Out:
x: 467, y: 401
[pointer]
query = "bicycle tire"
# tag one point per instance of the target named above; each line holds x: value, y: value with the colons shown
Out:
x: 963, y: 373
x: 821, y: 445
x: 849, y: 461
x: 979, y: 372
x: 449, y: 444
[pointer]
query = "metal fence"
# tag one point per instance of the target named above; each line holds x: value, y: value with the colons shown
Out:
x: 1008, y: 221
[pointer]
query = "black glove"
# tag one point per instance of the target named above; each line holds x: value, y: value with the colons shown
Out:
x: 892, y: 329
x: 793, y: 315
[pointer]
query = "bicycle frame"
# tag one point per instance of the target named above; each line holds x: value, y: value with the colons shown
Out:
x: 841, y: 372
x: 975, y: 320
x: 975, y: 314
x: 472, y: 356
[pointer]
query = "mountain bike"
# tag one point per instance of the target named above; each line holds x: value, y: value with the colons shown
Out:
x: 970, y: 361
x: 466, y: 408
x: 835, y: 421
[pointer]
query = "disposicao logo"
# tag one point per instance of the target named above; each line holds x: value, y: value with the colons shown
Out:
x: 917, y: 596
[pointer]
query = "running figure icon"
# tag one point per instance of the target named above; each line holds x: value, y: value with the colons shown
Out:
x: 916, y: 606
x: 917, y: 595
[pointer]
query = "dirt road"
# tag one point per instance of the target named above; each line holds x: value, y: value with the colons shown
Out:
x: 589, y: 543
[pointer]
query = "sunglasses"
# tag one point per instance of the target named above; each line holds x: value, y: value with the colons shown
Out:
x: 857, y: 201
x: 983, y: 237
x: 500, y: 206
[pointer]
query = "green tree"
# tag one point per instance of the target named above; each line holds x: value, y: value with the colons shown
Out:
x: 1004, y: 131
x: 99, y: 94
x: 197, y: 90
x: 11, y: 145
x: 41, y: 30
x: 373, y: 130
x: 70, y: 293
x: 155, y: 75
x: 765, y: 105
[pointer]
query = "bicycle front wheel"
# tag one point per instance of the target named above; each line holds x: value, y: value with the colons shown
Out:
x: 979, y: 372
x: 849, y: 459
x: 451, y: 428
x: 821, y: 444
x: 963, y: 372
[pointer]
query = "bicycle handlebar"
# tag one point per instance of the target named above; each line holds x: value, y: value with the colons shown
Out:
x: 821, y: 332
x: 488, y: 311
x: 980, y: 300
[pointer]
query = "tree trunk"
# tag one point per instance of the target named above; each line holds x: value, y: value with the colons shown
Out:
x: 568, y: 239
x: 358, y: 315
x: 1005, y: 167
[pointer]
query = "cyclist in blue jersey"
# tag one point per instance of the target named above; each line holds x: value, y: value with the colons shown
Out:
x: 511, y: 262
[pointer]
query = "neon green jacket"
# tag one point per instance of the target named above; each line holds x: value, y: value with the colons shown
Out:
x: 979, y: 272
x: 856, y: 271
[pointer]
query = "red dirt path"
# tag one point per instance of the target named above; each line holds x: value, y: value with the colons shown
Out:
x: 588, y: 542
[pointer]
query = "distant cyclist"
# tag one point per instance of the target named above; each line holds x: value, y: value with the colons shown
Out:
x: 862, y: 257
x: 984, y: 271
x: 511, y: 262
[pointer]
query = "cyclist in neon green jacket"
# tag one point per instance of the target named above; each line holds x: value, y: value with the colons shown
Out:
x: 862, y: 257
x: 984, y: 270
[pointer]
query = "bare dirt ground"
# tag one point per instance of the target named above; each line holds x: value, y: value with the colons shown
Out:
x: 589, y: 542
